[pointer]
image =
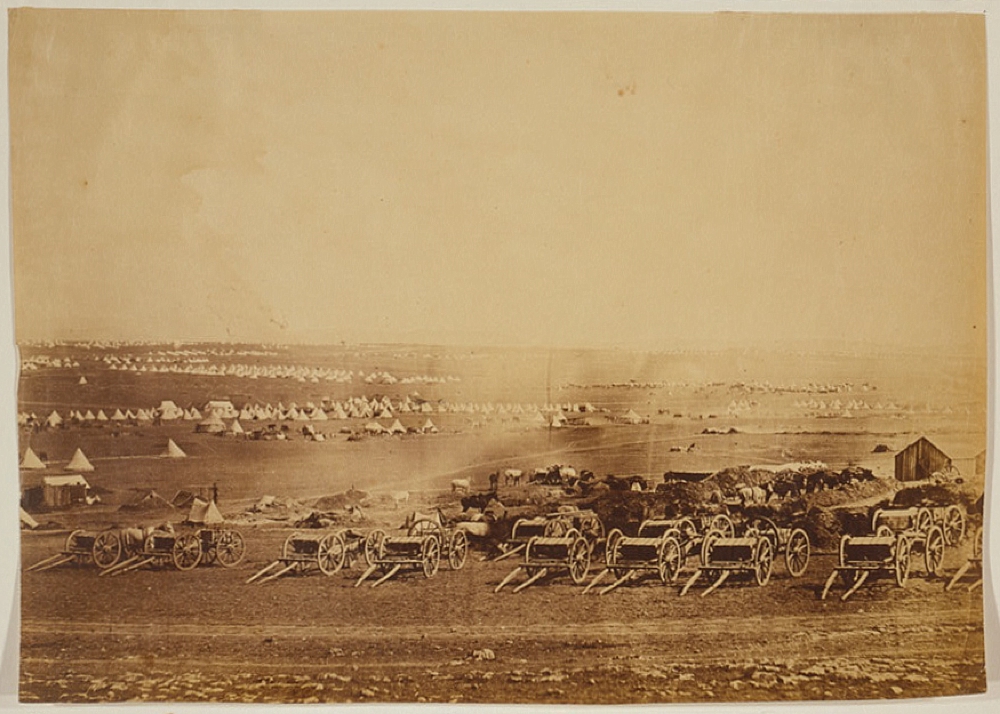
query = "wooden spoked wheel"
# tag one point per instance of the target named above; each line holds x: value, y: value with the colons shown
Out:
x: 186, y: 551
x: 797, y: 552
x: 230, y: 548
x: 613, y: 537
x: 107, y: 549
x: 763, y: 562
x: 430, y: 556
x: 884, y: 531
x: 934, y: 550
x: 592, y: 529
x: 458, y: 550
x: 615, y: 558
x: 373, y: 546
x: 579, y: 560
x: 901, y: 562
x: 556, y: 528
x: 668, y: 560
x: 924, y: 520
x: 286, y: 549
x: 706, y: 547
x: 724, y: 525
x: 424, y: 527
x: 977, y: 544
x: 331, y: 553
x: 953, y: 526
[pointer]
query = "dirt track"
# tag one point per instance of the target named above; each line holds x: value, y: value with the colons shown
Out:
x: 204, y: 635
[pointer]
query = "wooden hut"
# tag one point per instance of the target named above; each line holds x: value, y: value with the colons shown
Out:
x: 920, y: 460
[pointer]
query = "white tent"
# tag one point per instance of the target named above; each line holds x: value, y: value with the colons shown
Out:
x: 79, y: 462
x: 117, y: 416
x: 27, y: 521
x: 173, y: 451
x: 211, y: 425
x: 429, y: 428
x: 169, y: 411
x: 83, y: 380
x: 397, y: 428
x: 236, y: 429
x: 54, y: 419
x: 204, y: 512
x: 31, y: 460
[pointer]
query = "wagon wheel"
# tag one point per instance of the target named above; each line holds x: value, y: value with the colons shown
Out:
x: 286, y: 549
x: 458, y: 550
x: 724, y: 525
x: 209, y: 552
x: 373, y: 546
x: 668, y: 560
x: 579, y: 560
x: 186, y: 552
x: 331, y: 553
x: 107, y: 549
x: 229, y: 548
x: 430, y: 555
x: 615, y: 557
x: 876, y: 517
x: 71, y: 540
x: 977, y: 544
x: 425, y: 526
x: 556, y: 528
x: 924, y: 520
x: 763, y: 562
x: 613, y: 537
x: 797, y: 552
x: 884, y: 531
x: 706, y: 547
x: 934, y: 550
x: 767, y: 528
x: 901, y: 563
x: 686, y: 529
x: 954, y: 525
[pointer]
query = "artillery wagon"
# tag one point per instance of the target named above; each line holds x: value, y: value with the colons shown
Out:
x: 454, y: 540
x: 101, y: 548
x: 722, y: 556
x: 553, y: 525
x: 326, y: 551
x: 898, y: 533
x: 660, y: 546
x: 390, y: 554
x: 546, y: 555
x: 974, y: 564
x: 185, y: 551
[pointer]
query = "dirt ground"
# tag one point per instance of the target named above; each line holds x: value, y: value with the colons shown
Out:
x: 205, y: 635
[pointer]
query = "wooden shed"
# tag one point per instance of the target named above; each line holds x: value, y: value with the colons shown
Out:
x: 920, y: 460
x: 60, y: 491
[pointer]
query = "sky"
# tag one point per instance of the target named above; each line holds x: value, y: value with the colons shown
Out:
x: 587, y: 180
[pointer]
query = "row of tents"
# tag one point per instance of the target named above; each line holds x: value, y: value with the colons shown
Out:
x: 79, y: 461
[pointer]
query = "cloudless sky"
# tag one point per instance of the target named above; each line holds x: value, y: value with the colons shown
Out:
x: 649, y: 181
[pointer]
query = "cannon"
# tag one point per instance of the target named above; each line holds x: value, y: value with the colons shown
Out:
x: 390, y: 554
x: 102, y: 548
x: 973, y: 564
x: 553, y: 525
x: 184, y: 551
x: 545, y: 555
x: 723, y: 556
x: 326, y: 551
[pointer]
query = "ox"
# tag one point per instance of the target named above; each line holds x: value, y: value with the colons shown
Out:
x: 461, y: 484
x: 399, y: 498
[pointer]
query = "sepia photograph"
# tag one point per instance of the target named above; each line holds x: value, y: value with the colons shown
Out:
x: 498, y: 357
